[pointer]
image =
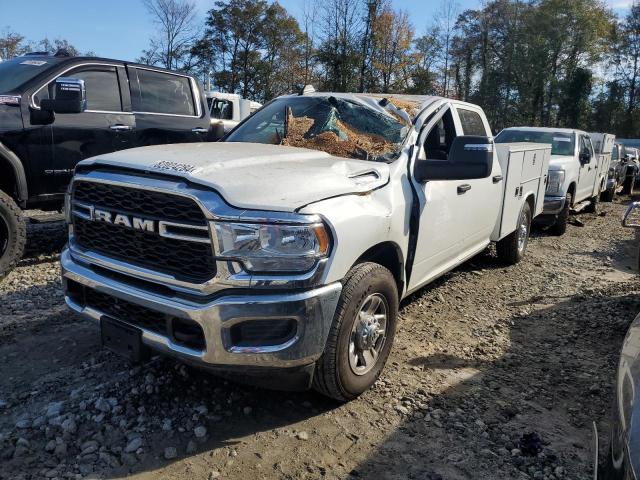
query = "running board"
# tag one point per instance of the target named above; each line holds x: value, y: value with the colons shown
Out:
x: 581, y: 206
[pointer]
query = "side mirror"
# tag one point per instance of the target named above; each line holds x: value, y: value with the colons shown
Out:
x: 631, y: 217
x: 470, y: 157
x: 585, y: 158
x: 70, y: 97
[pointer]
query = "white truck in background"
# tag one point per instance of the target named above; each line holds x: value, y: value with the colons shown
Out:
x: 576, y: 177
x: 280, y: 255
x: 603, y: 145
x: 227, y: 110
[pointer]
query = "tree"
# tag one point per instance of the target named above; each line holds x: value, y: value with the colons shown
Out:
x: 445, y: 24
x: 11, y: 45
x: 391, y: 58
x: 176, y: 22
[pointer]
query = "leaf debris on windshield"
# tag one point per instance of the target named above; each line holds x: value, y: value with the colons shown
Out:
x: 346, y: 142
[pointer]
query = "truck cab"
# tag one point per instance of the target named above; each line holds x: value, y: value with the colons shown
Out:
x: 227, y: 110
x: 104, y: 105
x: 279, y: 256
x: 575, y: 181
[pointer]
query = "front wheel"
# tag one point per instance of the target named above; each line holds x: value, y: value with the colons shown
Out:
x: 13, y: 233
x: 361, y: 335
x: 511, y: 248
x: 560, y: 225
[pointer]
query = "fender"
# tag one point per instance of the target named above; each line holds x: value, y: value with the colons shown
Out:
x: 18, y: 170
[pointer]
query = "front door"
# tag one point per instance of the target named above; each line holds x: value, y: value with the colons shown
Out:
x: 103, y: 127
x: 443, y: 205
x: 588, y: 169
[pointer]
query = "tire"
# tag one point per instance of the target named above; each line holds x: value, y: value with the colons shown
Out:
x: 608, y: 195
x: 560, y: 227
x: 335, y: 374
x: 593, y: 204
x: 511, y: 249
x: 628, y: 185
x: 13, y: 234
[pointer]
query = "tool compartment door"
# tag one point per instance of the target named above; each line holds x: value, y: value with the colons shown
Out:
x: 524, y: 169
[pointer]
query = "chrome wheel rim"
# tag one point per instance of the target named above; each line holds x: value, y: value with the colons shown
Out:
x: 523, y: 233
x: 368, y: 334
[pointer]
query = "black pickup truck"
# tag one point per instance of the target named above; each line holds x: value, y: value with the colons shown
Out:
x: 56, y: 110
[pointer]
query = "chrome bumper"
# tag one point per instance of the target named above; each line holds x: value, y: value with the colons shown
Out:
x: 553, y: 205
x: 312, y: 310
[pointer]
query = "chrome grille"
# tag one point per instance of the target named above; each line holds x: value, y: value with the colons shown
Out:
x: 188, y: 260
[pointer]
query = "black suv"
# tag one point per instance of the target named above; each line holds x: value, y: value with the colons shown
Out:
x: 56, y: 110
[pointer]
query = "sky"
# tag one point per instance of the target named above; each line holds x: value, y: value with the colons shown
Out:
x: 121, y: 29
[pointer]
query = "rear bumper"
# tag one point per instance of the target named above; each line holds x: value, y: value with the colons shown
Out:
x: 311, y: 311
x: 553, y: 205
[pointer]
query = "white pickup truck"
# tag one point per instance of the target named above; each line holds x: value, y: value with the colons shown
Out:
x: 227, y: 110
x: 577, y: 175
x: 280, y: 255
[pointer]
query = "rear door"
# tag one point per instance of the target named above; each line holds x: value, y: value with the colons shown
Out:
x: 482, y: 200
x: 168, y: 107
x: 107, y: 125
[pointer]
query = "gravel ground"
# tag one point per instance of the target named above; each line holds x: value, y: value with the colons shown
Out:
x: 496, y: 373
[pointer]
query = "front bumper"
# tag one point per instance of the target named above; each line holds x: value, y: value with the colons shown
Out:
x: 311, y: 310
x: 553, y: 205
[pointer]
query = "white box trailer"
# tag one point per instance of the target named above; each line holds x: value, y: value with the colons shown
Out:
x: 525, y: 167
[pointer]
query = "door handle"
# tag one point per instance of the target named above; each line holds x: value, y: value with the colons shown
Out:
x: 120, y: 128
x: 462, y: 189
x: 199, y: 130
x: 497, y: 178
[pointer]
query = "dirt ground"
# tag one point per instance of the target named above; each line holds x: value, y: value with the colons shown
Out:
x: 496, y: 373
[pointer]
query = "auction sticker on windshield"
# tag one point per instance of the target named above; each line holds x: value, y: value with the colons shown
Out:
x: 35, y: 63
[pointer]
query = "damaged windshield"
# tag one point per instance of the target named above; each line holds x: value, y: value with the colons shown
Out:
x: 339, y: 127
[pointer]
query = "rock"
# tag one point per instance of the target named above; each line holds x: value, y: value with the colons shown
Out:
x: 247, y: 410
x: 88, y: 447
x: 109, y: 459
x: 23, y: 442
x: 402, y: 409
x: 191, y: 447
x: 170, y: 452
x: 133, y: 445
x: 102, y: 405
x: 200, y: 431
x: 54, y: 409
x: 23, y: 424
x: 302, y: 435
x: 213, y: 475
x: 69, y: 426
x: 50, y: 446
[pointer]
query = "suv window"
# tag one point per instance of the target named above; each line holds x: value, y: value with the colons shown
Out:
x: 614, y: 153
x: 163, y: 93
x: 471, y: 123
x: 101, y: 84
x: 221, y: 109
x: 440, y: 138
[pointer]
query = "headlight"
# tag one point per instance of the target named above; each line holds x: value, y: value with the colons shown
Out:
x: 272, y: 248
x: 556, y: 179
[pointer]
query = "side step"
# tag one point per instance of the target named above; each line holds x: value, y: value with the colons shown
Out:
x: 46, y: 218
x: 581, y: 206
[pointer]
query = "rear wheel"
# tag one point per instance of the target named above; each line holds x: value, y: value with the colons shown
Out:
x: 628, y: 185
x: 609, y: 194
x: 361, y: 335
x: 13, y: 234
x: 593, y: 204
x: 511, y: 248
x: 560, y: 227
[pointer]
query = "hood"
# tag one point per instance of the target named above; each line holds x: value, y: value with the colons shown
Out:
x: 256, y: 176
x: 559, y: 162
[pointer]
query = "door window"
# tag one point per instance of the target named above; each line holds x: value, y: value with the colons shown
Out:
x: 586, y: 146
x: 440, y: 138
x: 471, y: 122
x: 101, y: 84
x: 614, y: 153
x: 163, y: 93
x: 221, y: 109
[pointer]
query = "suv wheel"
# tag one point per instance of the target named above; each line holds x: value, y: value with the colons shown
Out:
x: 560, y: 226
x: 361, y: 335
x: 13, y: 234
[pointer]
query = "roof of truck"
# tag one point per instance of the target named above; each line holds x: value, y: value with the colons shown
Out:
x: 547, y: 129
